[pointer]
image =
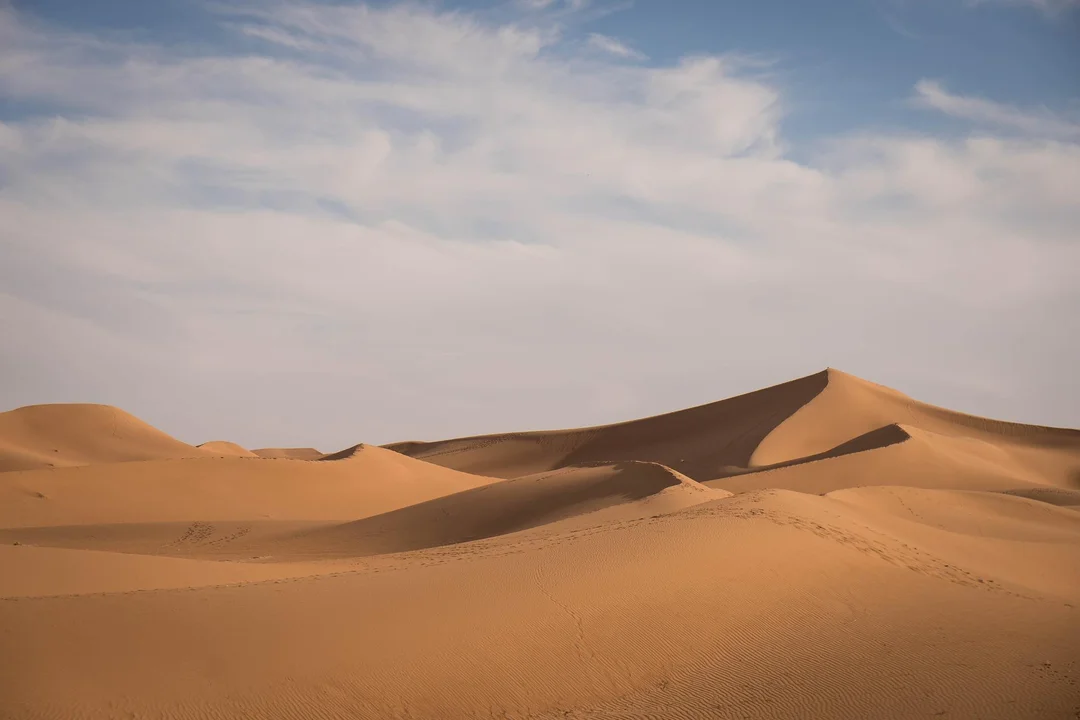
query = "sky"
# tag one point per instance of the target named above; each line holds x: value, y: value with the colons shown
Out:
x: 322, y: 223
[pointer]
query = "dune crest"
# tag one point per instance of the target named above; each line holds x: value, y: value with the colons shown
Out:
x: 224, y: 489
x: 826, y: 547
x: 819, y: 417
x: 40, y: 436
x: 299, y: 453
x: 589, y: 494
x: 224, y: 448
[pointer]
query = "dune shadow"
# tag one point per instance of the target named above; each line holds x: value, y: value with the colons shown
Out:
x: 698, y: 442
x: 873, y: 440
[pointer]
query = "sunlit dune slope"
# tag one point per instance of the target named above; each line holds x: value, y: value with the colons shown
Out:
x: 876, y: 602
x: 301, y: 453
x: 224, y: 448
x: 826, y: 415
x: 604, y: 493
x: 822, y: 548
x: 40, y: 436
x: 371, y: 482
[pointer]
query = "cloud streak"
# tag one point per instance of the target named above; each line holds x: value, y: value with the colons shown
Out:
x: 614, y: 47
x: 984, y: 112
x: 381, y: 223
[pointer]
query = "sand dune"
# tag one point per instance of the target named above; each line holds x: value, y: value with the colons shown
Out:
x: 822, y: 548
x: 591, y: 495
x: 301, y: 453
x: 223, y: 489
x: 700, y: 442
x: 40, y: 436
x: 813, y: 418
x: 772, y: 604
x: 224, y: 448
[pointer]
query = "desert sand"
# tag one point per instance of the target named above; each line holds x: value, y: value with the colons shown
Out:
x: 823, y: 548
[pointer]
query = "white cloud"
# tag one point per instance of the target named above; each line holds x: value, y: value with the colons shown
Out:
x: 416, y: 223
x: 614, y: 47
x: 985, y: 112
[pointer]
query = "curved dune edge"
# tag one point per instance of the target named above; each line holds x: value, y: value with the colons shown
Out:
x: 698, y: 442
x: 224, y: 448
x: 848, y: 406
x: 572, y: 497
x: 823, y: 548
x: 604, y: 492
x: 66, y: 435
x: 1062, y: 497
x: 873, y: 440
x: 817, y: 417
x: 675, y: 614
x: 213, y: 489
x: 346, y: 454
x: 297, y: 453
x: 922, y: 459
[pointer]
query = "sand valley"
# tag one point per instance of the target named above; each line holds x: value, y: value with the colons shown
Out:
x: 823, y: 548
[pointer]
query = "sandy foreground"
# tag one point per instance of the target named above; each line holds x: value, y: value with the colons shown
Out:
x: 825, y: 548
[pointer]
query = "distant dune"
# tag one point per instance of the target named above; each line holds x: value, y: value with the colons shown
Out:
x: 41, y: 436
x: 822, y: 548
x: 301, y: 453
x: 224, y: 448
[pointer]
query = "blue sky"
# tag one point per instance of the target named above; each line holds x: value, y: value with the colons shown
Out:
x: 844, y: 62
x: 314, y: 223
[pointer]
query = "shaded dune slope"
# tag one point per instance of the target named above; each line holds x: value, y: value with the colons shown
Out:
x: 821, y: 417
x: 879, y: 558
x: 64, y: 435
x: 623, y: 490
x: 299, y: 453
x: 570, y: 497
x: 224, y: 489
x: 224, y: 448
x: 868, y: 603
x: 700, y: 442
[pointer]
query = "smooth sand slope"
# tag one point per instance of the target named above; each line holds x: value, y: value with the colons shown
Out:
x: 824, y: 416
x: 224, y: 448
x: 823, y: 548
x: 370, y: 482
x: 298, y: 453
x: 41, y: 436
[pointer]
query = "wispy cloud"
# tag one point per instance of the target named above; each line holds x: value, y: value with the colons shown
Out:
x: 614, y: 47
x: 412, y: 222
x: 1040, y: 122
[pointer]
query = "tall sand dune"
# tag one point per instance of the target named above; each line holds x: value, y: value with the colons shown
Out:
x: 40, y: 436
x: 829, y: 413
x: 700, y: 442
x: 822, y: 548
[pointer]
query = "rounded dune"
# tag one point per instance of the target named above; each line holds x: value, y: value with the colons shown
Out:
x: 591, y: 494
x: 224, y: 448
x: 224, y: 489
x: 825, y: 547
x: 824, y: 416
x: 849, y: 406
x: 299, y: 453
x: 41, y: 436
x: 699, y: 442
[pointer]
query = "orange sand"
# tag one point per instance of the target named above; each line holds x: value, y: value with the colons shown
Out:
x: 823, y: 548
